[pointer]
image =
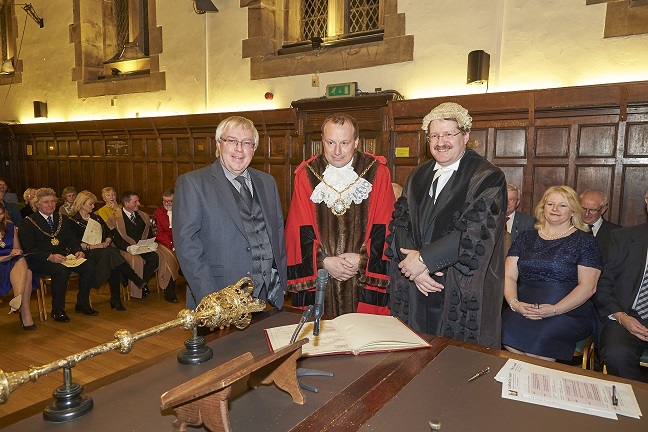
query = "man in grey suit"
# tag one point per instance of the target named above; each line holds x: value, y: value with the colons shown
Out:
x: 516, y: 221
x: 228, y: 222
x: 595, y: 204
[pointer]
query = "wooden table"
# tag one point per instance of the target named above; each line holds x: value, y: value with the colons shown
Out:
x: 429, y: 383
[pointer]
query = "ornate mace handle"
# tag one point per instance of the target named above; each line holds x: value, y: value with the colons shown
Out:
x: 231, y: 305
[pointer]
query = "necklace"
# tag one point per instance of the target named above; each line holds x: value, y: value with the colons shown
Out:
x: 340, y: 206
x: 54, y: 240
x: 548, y: 237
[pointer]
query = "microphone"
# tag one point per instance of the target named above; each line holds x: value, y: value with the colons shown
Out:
x: 320, y: 294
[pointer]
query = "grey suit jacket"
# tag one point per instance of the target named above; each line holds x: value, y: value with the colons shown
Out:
x: 521, y: 222
x: 209, y: 236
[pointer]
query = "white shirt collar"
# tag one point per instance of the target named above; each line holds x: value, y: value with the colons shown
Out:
x: 454, y: 166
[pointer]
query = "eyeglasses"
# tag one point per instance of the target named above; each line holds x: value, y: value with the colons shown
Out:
x: 167, y: 201
x: 432, y: 138
x: 233, y: 142
x: 592, y: 211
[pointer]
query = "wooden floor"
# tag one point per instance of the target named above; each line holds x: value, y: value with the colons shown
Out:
x: 20, y: 349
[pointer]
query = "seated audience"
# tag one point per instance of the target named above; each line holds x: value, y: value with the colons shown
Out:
x: 595, y: 204
x: 131, y: 225
x: 108, y: 261
x: 69, y: 194
x: 29, y: 196
x: 622, y: 302
x: 164, y: 219
x: 12, y: 210
x: 516, y: 221
x: 109, y: 196
x: 14, y: 271
x: 164, y: 236
x: 48, y: 237
x: 8, y: 197
x: 550, y: 276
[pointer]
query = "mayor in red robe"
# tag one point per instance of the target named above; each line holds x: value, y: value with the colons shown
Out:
x: 341, y: 206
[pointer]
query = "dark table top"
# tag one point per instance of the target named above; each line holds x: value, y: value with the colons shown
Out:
x: 374, y: 392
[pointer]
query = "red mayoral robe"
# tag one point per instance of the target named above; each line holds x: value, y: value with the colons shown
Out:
x: 314, y: 232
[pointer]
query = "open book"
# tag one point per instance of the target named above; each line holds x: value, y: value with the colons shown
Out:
x: 353, y: 333
x: 143, y: 246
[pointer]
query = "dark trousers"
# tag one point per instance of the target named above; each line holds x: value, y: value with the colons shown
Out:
x: 621, y: 350
x: 60, y: 276
x: 114, y: 281
x: 151, y: 263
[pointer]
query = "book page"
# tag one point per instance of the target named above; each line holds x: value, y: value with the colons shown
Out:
x: 376, y: 332
x: 350, y: 334
x: 93, y: 233
x: 329, y: 341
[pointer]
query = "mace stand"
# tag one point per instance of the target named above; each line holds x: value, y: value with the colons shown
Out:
x: 68, y: 403
x: 204, y: 400
x: 196, y: 351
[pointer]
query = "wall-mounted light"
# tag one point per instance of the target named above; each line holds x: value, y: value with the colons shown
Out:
x: 7, y: 67
x: 478, y: 67
x: 40, y: 109
x: 32, y: 13
x: 202, y: 6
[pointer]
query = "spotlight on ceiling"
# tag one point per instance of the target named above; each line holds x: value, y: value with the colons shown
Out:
x: 202, y: 6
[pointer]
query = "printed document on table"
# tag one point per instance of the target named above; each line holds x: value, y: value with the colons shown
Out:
x: 544, y: 386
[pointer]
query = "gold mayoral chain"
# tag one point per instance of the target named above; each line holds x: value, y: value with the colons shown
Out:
x: 340, y: 206
x: 54, y: 240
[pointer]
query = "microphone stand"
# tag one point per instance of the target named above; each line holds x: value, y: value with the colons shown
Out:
x: 301, y: 372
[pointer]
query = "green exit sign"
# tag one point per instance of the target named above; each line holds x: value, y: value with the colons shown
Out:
x: 341, y: 90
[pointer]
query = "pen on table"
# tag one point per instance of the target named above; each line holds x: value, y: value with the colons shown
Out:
x: 480, y: 373
x: 615, y: 399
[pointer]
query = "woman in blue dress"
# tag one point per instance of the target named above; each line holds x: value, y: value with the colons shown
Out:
x: 14, y: 271
x: 551, y: 274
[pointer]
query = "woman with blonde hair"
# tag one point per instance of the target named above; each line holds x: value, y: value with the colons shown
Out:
x: 14, y: 272
x: 109, y: 263
x: 550, y: 275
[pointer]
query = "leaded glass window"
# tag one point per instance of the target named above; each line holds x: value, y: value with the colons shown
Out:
x: 363, y: 15
x: 314, y: 21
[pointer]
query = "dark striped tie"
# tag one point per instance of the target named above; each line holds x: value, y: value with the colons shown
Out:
x: 642, y: 298
x: 132, y: 218
x: 245, y: 191
x: 50, y: 222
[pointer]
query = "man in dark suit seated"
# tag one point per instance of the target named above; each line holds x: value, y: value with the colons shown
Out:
x: 228, y: 222
x: 595, y: 204
x: 622, y: 302
x: 130, y: 225
x: 48, y: 238
x: 516, y: 221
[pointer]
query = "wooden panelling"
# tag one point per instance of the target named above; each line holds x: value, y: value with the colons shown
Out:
x: 545, y: 177
x: 637, y: 139
x: 597, y: 140
x: 477, y: 142
x: 510, y: 143
x: 585, y: 137
x: 635, y: 184
x: 551, y: 141
x: 599, y: 177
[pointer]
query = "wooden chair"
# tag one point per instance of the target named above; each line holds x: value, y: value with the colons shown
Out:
x: 585, y: 348
x: 643, y: 360
x: 41, y: 291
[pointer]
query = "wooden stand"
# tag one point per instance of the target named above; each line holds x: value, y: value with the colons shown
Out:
x: 203, y: 400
